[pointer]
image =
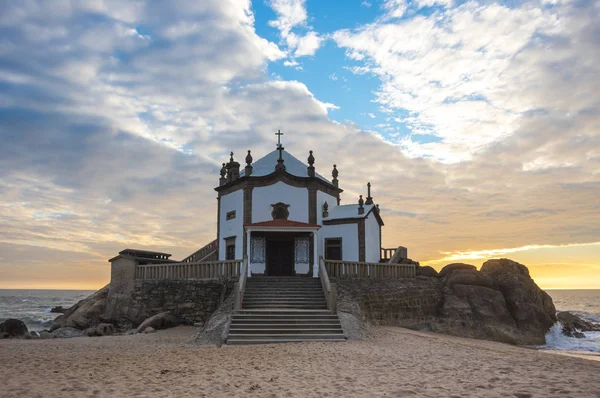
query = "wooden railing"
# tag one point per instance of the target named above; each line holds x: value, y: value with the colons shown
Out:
x: 197, y: 270
x: 202, y: 254
x: 348, y: 269
x: 328, y: 288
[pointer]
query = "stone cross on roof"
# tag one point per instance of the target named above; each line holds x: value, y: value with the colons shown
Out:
x: 280, y: 147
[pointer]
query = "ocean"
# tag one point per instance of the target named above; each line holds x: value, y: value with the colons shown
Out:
x: 33, y: 308
x: 586, y: 305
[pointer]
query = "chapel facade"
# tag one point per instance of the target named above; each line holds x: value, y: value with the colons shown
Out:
x: 283, y: 215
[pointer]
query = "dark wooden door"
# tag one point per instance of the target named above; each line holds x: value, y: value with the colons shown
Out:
x: 280, y: 258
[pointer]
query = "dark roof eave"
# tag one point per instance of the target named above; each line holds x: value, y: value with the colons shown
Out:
x: 350, y: 220
x: 269, y: 176
x: 152, y: 260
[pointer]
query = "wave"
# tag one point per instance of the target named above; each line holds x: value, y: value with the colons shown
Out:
x: 556, y: 340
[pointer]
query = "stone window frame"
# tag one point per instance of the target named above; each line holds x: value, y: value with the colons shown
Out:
x: 326, y: 243
x: 230, y: 215
x: 230, y: 243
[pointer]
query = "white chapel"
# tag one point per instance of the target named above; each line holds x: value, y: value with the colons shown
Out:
x: 283, y: 216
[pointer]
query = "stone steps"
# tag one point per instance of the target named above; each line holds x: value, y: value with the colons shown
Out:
x: 288, y: 325
x: 255, y: 340
x: 284, y: 310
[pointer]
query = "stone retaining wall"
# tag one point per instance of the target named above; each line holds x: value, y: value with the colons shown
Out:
x: 410, y: 302
x: 192, y: 301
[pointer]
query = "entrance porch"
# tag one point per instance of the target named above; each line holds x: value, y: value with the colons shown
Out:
x: 282, y: 248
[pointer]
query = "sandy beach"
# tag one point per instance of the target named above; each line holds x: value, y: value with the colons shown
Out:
x: 395, y: 362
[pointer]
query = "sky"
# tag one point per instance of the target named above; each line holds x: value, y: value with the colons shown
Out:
x: 476, y: 122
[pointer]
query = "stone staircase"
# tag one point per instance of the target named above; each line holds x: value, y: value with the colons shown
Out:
x: 284, y: 310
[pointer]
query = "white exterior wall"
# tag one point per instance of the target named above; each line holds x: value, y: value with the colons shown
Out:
x: 264, y: 197
x: 235, y: 227
x: 349, y: 235
x: 372, y: 243
x: 322, y: 197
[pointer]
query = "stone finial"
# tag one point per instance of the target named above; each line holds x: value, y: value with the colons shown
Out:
x: 377, y: 206
x: 233, y: 169
x: 369, y: 198
x: 325, y: 210
x: 248, y: 169
x: 334, y: 174
x: 223, y: 173
x: 361, y: 202
x: 311, y: 162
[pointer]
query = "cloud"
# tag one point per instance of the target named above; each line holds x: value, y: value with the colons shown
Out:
x: 473, y: 75
x: 120, y: 144
x: 292, y: 14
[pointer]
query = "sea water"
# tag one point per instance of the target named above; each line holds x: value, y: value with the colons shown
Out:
x: 33, y: 306
x: 586, y: 305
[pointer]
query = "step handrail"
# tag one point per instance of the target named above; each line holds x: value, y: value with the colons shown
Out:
x: 241, y: 285
x: 202, y: 253
x: 328, y: 288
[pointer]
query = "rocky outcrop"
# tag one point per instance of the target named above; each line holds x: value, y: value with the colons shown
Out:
x: 103, y: 329
x: 66, y: 332
x: 472, y: 306
x: 163, y: 320
x: 216, y: 328
x: 58, y: 309
x: 85, y: 314
x: 456, y: 267
x: 573, y: 326
x: 501, y: 302
x: 426, y: 270
x: 13, y: 328
x: 531, y: 307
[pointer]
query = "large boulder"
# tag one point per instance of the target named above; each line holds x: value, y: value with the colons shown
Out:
x: 163, y: 320
x: 572, y: 325
x: 455, y: 267
x: 426, y: 270
x: 66, y: 332
x: 103, y: 329
x: 216, y: 328
x: 476, y: 312
x: 13, y: 328
x: 466, y: 276
x: 530, y: 307
x: 85, y: 314
x: 58, y: 310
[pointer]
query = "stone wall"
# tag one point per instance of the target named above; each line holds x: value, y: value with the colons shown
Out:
x: 410, y: 302
x: 192, y: 301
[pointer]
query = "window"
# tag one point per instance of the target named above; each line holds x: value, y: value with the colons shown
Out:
x: 230, y: 248
x: 230, y: 215
x: 333, y: 248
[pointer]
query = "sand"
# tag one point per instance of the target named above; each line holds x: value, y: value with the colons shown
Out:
x: 395, y: 362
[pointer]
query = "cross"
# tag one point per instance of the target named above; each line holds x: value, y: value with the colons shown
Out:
x: 278, y: 134
x: 279, y: 146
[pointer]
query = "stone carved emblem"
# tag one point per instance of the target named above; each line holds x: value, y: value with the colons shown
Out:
x: 280, y: 211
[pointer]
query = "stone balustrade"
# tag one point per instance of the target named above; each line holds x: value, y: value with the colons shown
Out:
x: 189, y: 270
x: 351, y: 269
